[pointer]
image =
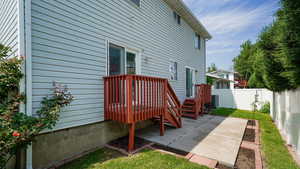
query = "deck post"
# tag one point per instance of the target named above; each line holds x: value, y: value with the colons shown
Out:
x: 131, y: 137
x: 162, y: 126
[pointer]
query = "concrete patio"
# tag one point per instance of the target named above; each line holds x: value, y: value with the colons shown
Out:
x: 214, y: 137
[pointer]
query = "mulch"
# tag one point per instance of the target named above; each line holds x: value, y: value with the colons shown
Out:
x: 245, y: 160
x: 251, y: 123
x: 249, y: 135
x: 122, y: 143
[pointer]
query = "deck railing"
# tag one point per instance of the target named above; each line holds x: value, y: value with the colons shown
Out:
x: 203, y: 96
x: 132, y: 98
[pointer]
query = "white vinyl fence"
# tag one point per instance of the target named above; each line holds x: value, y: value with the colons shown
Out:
x: 285, y: 108
x: 242, y: 98
x: 286, y: 114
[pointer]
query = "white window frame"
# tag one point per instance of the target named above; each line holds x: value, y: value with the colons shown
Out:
x: 197, y: 41
x: 194, y: 80
x: 173, y: 63
x: 136, y: 51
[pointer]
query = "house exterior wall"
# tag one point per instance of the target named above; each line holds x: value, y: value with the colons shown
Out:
x: 55, y: 149
x: 69, y: 45
x: 9, y: 25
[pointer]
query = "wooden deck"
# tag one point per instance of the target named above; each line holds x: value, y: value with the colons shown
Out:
x: 133, y: 98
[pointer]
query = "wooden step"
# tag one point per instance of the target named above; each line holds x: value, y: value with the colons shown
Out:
x: 187, y: 106
x: 191, y: 111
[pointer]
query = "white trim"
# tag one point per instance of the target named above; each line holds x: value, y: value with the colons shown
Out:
x: 177, y: 72
x: 21, y: 48
x: 28, y: 54
x: 107, y: 54
x: 137, y: 60
x: 193, y: 79
x: 137, y: 51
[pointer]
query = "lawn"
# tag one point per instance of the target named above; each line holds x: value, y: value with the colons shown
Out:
x: 275, y: 153
x: 147, y: 159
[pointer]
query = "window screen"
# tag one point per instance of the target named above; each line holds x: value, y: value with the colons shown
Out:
x: 173, y: 71
x: 197, y: 41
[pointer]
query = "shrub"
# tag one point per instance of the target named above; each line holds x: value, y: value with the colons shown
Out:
x: 265, y: 108
x: 17, y: 130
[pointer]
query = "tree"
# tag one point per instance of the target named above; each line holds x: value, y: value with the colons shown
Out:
x: 289, y: 37
x: 212, y: 68
x: 274, y: 60
x: 243, y: 63
x: 256, y: 79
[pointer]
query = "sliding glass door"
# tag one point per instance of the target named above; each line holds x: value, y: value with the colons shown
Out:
x: 190, y: 82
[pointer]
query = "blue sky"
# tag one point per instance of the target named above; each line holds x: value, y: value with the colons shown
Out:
x: 231, y: 22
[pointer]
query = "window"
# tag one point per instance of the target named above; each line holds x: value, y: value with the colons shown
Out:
x: 197, y: 41
x: 136, y: 2
x: 121, y: 60
x: 173, y: 71
x: 177, y: 18
x: 116, y: 60
x: 130, y: 63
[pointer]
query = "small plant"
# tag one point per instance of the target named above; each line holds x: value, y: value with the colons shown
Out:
x: 265, y: 108
x: 17, y: 130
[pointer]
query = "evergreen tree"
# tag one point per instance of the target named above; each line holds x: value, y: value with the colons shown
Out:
x: 243, y: 63
x: 289, y: 37
x: 272, y: 65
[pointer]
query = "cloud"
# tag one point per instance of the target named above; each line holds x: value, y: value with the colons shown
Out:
x: 231, y: 22
x: 237, y: 19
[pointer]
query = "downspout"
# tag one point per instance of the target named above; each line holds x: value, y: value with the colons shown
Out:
x: 28, y: 55
x: 24, y: 49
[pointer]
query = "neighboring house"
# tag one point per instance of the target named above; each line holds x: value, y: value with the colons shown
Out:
x: 222, y: 79
x: 77, y: 43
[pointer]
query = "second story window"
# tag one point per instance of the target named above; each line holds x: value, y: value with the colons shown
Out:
x: 136, y: 2
x: 177, y: 18
x: 197, y: 41
x: 173, y: 71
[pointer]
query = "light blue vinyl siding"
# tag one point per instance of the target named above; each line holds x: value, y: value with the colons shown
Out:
x: 9, y: 24
x: 69, y: 45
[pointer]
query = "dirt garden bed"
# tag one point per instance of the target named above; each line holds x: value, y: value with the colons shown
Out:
x: 249, y: 135
x: 121, y: 145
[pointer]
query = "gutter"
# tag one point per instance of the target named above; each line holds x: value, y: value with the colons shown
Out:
x: 24, y: 49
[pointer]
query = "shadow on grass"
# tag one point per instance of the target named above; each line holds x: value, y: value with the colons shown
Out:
x: 241, y: 114
x: 147, y: 159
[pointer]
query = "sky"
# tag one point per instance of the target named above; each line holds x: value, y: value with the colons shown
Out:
x: 231, y: 22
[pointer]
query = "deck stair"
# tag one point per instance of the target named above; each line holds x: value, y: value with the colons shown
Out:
x: 193, y: 107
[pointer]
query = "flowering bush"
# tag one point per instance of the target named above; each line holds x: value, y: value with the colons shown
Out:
x: 17, y: 130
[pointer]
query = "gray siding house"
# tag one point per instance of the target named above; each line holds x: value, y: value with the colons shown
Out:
x: 79, y: 42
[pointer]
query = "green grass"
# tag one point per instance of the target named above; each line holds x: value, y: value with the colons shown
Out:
x: 147, y: 159
x: 275, y: 153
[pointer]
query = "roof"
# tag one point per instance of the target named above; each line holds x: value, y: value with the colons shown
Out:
x: 180, y: 7
x: 218, y: 77
x: 222, y: 71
